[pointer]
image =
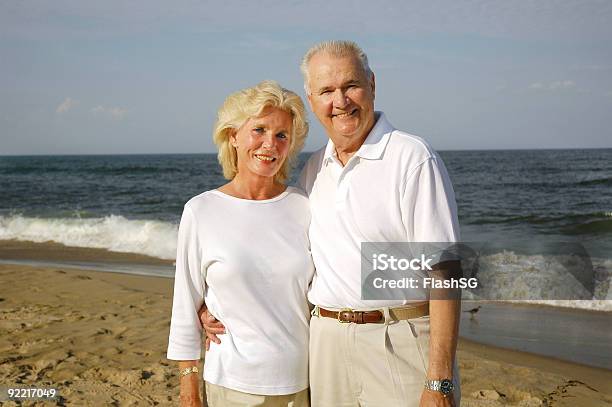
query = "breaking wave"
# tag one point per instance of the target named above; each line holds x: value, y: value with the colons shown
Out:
x: 149, y: 237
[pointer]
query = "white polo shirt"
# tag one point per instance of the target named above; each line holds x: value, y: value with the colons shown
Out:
x: 395, y: 188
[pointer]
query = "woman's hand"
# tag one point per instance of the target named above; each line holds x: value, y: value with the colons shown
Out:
x: 190, y: 401
x: 212, y: 327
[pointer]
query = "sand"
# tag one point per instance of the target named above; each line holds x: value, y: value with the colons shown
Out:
x: 100, y: 338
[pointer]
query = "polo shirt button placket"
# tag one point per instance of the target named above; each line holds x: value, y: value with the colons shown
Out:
x: 342, y: 186
x: 342, y: 190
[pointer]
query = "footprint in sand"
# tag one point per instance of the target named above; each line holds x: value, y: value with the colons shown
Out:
x: 488, y: 394
x: 119, y: 330
x: 563, y: 390
x: 72, y: 315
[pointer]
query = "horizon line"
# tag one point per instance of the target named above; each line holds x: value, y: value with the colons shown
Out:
x: 303, y: 152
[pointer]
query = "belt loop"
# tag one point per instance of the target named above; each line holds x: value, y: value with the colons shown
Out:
x: 315, y: 311
x: 387, y: 315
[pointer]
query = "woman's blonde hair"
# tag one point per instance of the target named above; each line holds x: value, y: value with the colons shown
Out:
x: 250, y: 102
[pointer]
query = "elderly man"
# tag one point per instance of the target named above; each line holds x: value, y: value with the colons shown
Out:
x: 372, y: 183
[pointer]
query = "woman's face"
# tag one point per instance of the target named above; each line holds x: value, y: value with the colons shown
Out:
x: 262, y: 143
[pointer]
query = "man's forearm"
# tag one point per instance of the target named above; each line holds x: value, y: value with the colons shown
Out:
x: 444, y: 331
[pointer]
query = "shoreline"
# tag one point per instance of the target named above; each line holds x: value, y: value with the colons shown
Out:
x: 576, y: 335
x: 541, y: 329
x: 165, y: 268
x: 89, y: 334
x: 52, y: 254
x: 57, y: 252
x: 532, y: 360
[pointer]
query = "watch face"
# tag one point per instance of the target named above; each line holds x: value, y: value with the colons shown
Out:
x: 446, y: 386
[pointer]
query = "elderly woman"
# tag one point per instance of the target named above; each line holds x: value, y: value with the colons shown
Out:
x: 243, y: 251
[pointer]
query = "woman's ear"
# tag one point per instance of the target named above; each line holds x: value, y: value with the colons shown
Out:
x: 232, y: 138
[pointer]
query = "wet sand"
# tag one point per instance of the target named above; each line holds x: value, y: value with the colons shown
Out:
x: 575, y: 335
x: 100, y: 338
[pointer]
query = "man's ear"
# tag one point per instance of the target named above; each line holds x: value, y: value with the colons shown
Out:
x: 309, y: 97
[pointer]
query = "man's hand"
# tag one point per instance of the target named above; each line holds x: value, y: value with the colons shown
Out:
x: 212, y: 327
x: 431, y: 398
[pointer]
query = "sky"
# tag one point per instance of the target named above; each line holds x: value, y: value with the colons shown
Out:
x: 124, y: 77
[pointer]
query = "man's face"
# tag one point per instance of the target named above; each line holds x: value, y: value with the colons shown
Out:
x: 341, y: 96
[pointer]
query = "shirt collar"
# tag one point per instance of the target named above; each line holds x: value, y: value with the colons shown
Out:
x: 374, y: 144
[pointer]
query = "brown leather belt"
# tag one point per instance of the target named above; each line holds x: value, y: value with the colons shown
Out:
x: 376, y: 317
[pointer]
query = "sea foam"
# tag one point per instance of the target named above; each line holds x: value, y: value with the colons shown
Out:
x: 506, y: 274
x: 150, y: 237
x: 510, y: 277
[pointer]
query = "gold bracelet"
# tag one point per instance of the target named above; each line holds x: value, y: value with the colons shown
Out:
x: 189, y: 370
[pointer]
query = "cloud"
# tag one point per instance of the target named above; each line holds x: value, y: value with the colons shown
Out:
x: 66, y: 105
x: 592, y: 68
x: 562, y: 85
x: 557, y: 85
x: 114, y: 112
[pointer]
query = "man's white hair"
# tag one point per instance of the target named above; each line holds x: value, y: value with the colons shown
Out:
x: 336, y: 48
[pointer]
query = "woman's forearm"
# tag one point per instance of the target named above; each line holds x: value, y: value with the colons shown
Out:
x: 189, y: 385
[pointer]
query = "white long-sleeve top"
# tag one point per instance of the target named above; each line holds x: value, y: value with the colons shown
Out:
x: 250, y: 261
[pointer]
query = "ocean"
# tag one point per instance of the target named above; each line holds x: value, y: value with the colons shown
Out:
x: 530, y: 199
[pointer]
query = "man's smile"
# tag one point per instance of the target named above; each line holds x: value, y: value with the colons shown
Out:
x: 345, y: 114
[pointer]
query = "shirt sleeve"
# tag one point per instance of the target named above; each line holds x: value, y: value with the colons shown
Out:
x: 302, y: 181
x: 307, y: 177
x: 429, y: 210
x: 185, y: 341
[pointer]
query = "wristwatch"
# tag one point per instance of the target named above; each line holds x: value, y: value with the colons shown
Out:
x: 444, y: 386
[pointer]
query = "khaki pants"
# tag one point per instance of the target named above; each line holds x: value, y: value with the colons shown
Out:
x: 369, y: 365
x: 219, y: 396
